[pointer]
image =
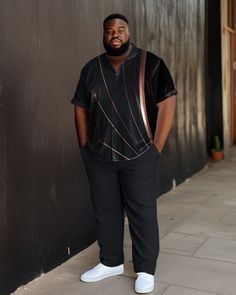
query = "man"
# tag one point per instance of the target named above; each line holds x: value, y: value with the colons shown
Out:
x: 116, y: 103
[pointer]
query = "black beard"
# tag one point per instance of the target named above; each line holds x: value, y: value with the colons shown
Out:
x: 116, y: 51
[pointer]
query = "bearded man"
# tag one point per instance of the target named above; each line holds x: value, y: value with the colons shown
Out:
x: 124, y: 110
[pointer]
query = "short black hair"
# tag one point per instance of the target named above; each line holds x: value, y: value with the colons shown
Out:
x: 113, y: 16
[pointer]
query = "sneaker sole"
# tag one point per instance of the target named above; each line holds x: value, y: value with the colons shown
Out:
x: 96, y: 279
x: 142, y: 291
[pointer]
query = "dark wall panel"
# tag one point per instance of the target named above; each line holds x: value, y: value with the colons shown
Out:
x: 175, y: 30
x: 46, y: 213
x: 3, y: 179
x: 214, y: 112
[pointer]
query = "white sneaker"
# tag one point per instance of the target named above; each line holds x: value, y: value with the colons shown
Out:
x: 144, y: 282
x: 101, y: 272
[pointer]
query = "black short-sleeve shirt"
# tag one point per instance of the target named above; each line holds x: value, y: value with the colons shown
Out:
x: 117, y: 128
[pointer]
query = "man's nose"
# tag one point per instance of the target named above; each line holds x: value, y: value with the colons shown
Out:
x: 115, y: 34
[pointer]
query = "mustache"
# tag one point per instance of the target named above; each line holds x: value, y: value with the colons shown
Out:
x: 115, y: 38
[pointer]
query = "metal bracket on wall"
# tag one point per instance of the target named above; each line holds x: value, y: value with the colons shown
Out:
x: 227, y: 29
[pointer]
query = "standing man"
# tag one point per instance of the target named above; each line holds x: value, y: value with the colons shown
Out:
x: 116, y: 104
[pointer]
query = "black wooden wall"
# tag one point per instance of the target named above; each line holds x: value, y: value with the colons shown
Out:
x: 45, y: 209
x: 214, y: 112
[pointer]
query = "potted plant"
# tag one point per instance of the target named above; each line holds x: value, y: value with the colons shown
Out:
x: 217, y: 152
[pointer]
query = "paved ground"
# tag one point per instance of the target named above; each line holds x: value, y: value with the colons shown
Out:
x: 197, y: 222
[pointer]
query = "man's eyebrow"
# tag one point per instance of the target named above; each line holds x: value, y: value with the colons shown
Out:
x: 120, y: 27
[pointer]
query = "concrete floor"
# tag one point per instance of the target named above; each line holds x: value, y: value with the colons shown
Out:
x: 197, y: 222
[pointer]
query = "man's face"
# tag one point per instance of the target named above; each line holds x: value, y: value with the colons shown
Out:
x: 116, y: 33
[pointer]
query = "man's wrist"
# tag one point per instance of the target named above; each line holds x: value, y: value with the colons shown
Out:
x: 159, y: 147
x: 83, y: 144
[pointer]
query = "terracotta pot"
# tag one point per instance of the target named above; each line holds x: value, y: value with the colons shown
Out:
x: 217, y: 155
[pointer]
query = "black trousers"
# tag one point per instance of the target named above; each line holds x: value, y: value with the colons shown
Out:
x: 129, y: 186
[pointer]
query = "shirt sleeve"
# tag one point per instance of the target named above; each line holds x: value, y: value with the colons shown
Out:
x: 162, y: 83
x: 81, y: 96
